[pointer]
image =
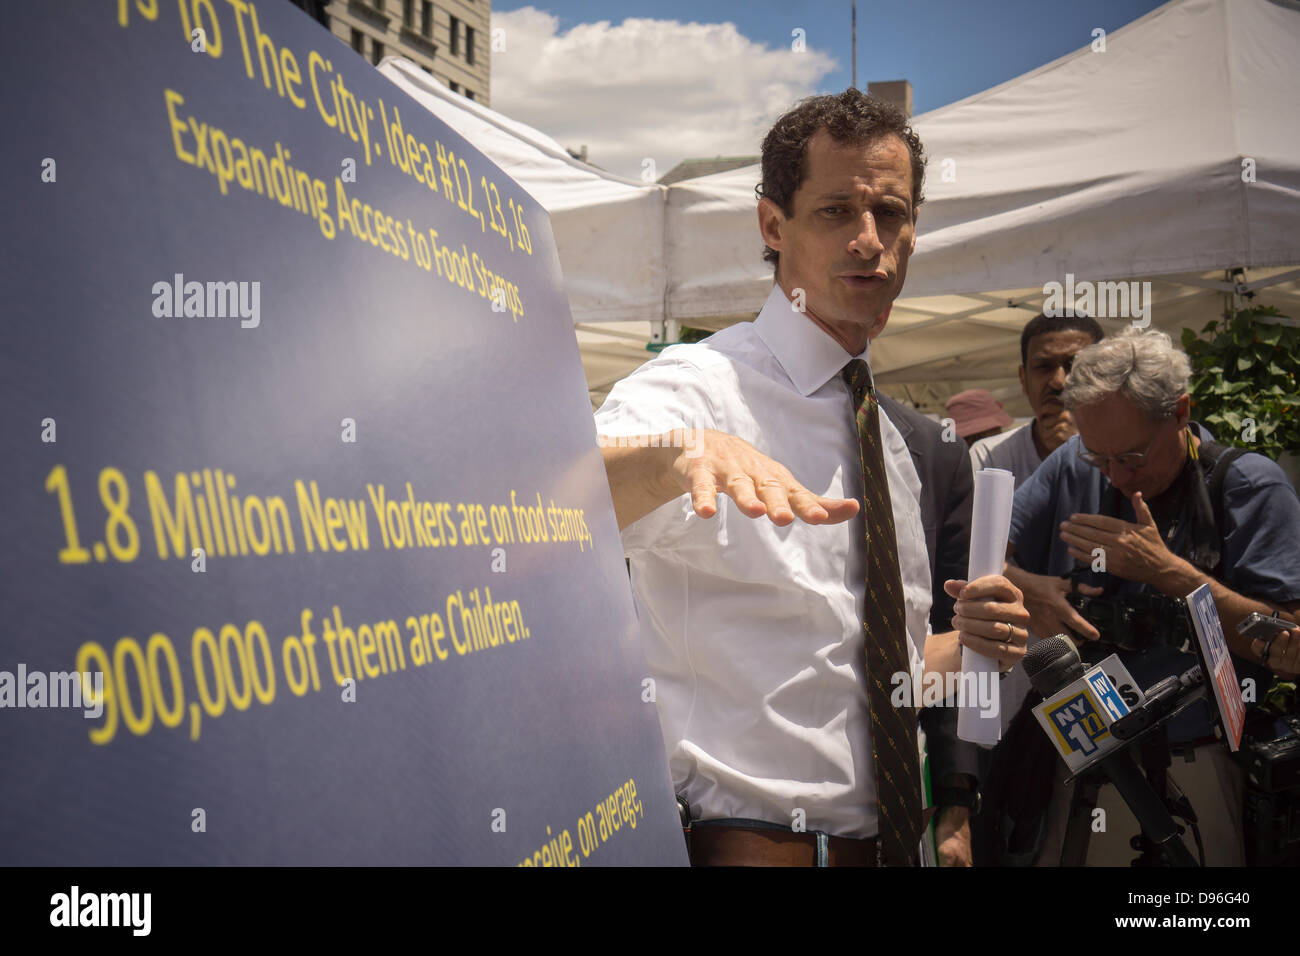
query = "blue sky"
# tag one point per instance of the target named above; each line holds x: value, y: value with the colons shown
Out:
x: 949, y: 49
x: 646, y: 84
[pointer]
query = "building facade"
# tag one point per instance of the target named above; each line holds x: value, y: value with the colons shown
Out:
x: 449, y: 39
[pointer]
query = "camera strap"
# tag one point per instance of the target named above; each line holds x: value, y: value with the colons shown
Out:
x: 1203, y: 524
x: 1110, y: 506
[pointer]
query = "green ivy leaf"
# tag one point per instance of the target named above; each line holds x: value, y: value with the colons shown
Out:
x: 1263, y: 364
x: 1263, y: 351
x: 1269, y: 334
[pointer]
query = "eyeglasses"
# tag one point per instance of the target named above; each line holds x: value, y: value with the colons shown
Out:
x: 1132, y: 460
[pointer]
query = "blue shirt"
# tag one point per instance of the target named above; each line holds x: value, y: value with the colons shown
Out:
x: 1261, y: 545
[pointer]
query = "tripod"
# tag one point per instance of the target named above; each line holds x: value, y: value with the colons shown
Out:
x: 1160, y: 842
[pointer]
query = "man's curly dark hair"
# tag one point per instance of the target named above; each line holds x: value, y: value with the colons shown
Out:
x: 852, y: 118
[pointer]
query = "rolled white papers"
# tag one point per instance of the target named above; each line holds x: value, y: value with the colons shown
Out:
x: 979, y: 701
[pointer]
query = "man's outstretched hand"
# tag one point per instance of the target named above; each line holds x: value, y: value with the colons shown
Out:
x: 758, y: 484
x: 645, y: 473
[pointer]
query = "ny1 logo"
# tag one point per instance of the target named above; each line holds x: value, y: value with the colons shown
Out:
x: 1079, y: 722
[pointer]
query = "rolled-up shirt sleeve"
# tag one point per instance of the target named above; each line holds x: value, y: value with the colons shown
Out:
x: 664, y: 397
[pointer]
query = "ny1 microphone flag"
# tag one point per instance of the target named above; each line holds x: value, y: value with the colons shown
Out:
x: 1077, y: 718
x: 308, y: 553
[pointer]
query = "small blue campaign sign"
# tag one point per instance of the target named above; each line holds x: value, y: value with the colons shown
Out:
x: 1214, y: 653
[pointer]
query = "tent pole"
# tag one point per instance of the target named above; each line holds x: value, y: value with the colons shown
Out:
x: 854, y: 31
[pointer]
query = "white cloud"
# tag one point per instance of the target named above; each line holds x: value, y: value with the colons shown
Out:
x: 646, y: 88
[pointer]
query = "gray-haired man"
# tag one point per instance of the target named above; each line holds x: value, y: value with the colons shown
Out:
x: 1134, y: 487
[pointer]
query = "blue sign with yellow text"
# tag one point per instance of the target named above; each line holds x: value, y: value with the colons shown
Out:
x: 309, y: 554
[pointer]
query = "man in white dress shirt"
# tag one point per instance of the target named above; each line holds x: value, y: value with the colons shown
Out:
x: 751, y: 602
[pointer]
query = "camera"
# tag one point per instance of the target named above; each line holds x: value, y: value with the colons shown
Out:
x: 1272, y: 798
x: 1134, y: 622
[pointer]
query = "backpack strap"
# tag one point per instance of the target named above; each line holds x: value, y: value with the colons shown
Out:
x: 1218, y: 459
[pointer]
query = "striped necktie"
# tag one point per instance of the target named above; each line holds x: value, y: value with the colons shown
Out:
x: 893, y: 729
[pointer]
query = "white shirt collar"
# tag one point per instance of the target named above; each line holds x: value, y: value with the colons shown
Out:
x: 807, y: 354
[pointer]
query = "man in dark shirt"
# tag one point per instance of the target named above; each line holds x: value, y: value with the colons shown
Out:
x: 1121, y: 497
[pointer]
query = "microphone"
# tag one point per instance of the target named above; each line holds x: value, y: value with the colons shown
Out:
x: 1079, y: 702
x: 1163, y: 699
x: 1052, y: 663
x: 1078, y: 710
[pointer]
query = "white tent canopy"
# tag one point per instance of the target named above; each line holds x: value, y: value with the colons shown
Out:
x: 1173, y: 156
x: 1127, y: 164
x: 609, y: 231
